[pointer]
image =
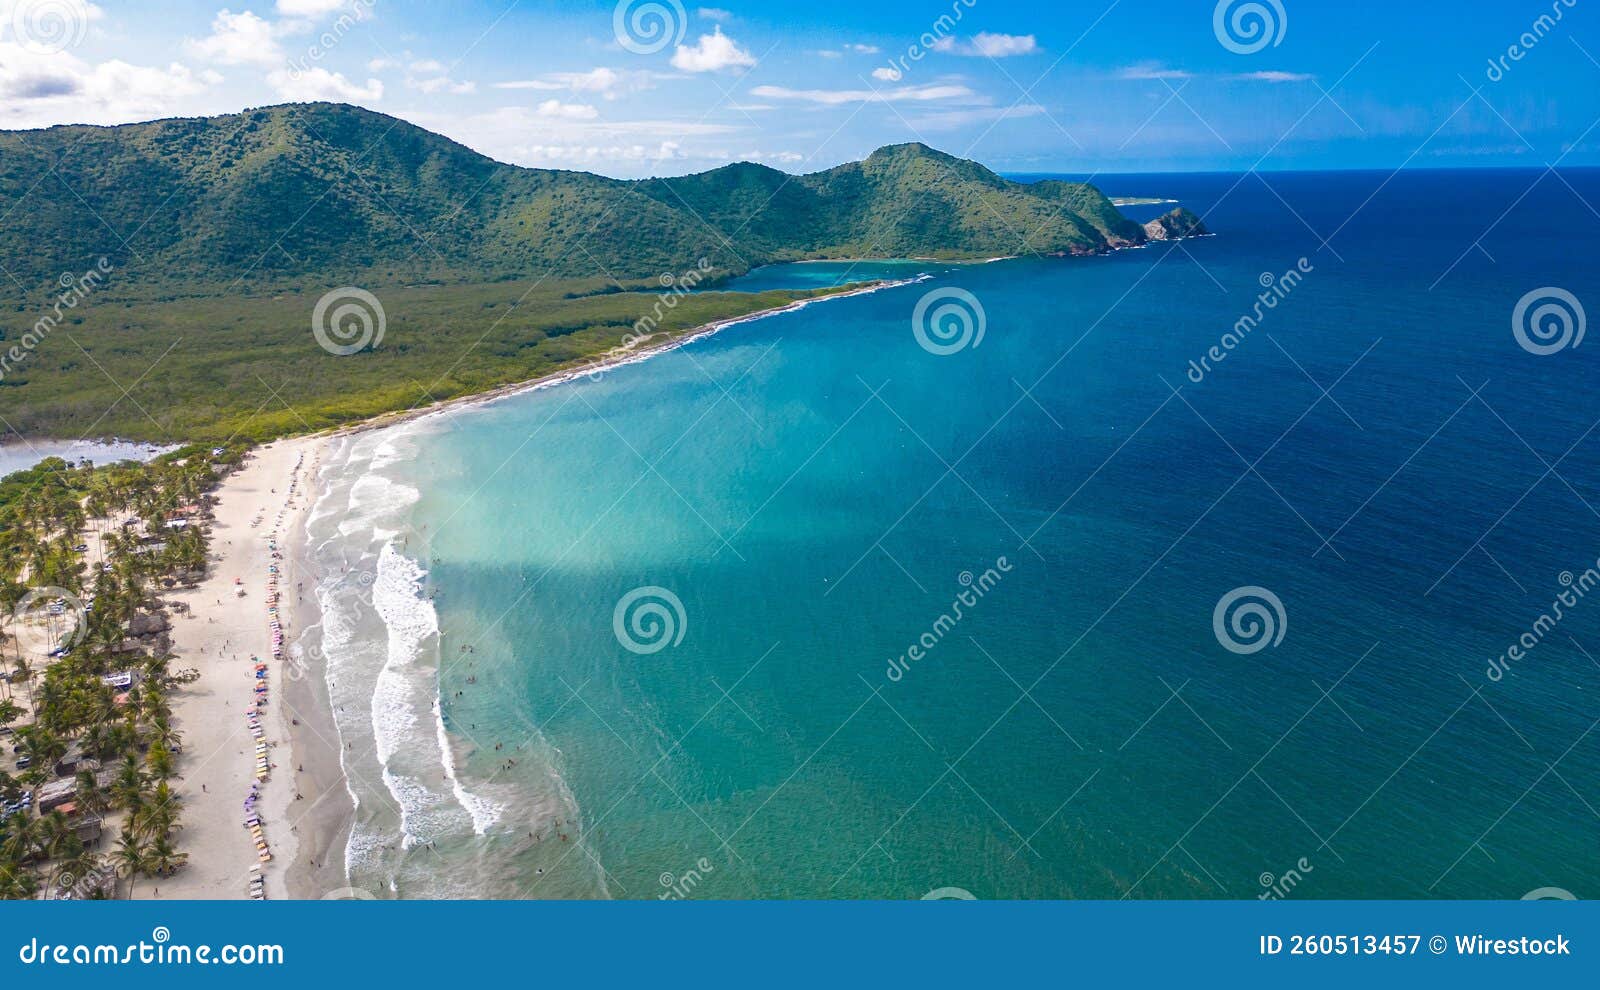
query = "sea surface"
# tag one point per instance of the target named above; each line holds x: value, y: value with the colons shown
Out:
x: 20, y: 455
x: 833, y: 605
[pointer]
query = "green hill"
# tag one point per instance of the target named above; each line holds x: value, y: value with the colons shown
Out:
x: 329, y: 189
x: 220, y: 236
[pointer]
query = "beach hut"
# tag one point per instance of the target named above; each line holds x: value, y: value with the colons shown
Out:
x: 88, y: 829
x: 56, y: 793
x: 68, y: 764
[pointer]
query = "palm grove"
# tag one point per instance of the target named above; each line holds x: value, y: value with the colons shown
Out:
x: 93, y: 708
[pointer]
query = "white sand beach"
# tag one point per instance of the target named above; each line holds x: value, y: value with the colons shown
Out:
x: 218, y: 636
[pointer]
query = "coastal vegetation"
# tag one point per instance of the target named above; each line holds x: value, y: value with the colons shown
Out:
x: 206, y: 365
x: 194, y: 253
x: 85, y: 711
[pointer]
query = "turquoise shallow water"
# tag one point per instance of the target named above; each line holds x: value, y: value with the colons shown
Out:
x: 815, y: 490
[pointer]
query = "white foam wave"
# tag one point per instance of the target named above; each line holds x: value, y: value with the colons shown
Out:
x: 485, y: 813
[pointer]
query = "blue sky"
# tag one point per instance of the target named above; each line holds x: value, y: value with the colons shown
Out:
x: 1095, y: 86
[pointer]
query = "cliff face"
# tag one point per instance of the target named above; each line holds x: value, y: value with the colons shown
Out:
x: 1172, y: 226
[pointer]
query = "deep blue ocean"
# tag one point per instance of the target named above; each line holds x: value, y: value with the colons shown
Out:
x: 1410, y: 485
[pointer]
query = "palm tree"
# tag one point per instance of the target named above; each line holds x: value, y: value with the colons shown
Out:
x: 164, y: 859
x: 59, y: 834
x: 17, y: 883
x: 42, y: 746
x: 128, y: 858
x: 92, y: 798
x: 127, y: 790
x: 159, y: 760
x: 26, y: 838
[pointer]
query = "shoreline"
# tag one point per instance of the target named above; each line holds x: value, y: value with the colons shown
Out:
x: 315, y: 801
x: 306, y: 809
x: 609, y: 363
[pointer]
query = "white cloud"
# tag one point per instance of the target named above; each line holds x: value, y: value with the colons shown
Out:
x: 567, y: 111
x: 441, y: 84
x: 848, y: 49
x: 784, y: 157
x: 309, y: 8
x: 607, y: 83
x: 714, y: 14
x: 318, y: 83
x: 238, y: 39
x: 40, y: 89
x: 1273, y: 76
x: 886, y: 74
x: 1152, y: 70
x: 711, y: 53
x: 985, y: 43
x: 836, y: 97
x: 590, y: 155
x: 524, y: 136
x: 951, y: 119
x: 429, y: 66
x: 382, y: 64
